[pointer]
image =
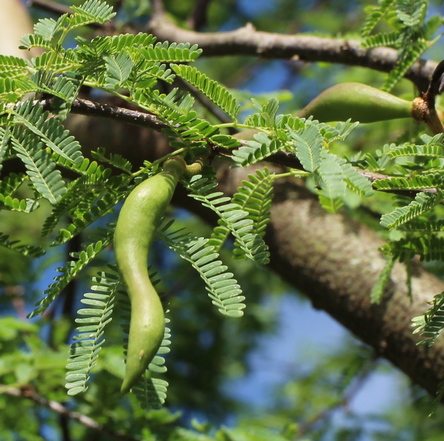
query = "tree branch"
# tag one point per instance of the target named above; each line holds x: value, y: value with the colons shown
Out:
x: 142, y: 119
x: 198, y: 18
x: 335, y: 262
x: 249, y: 41
x: 103, y: 110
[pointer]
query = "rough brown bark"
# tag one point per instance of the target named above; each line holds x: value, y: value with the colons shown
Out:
x: 249, y: 41
x: 335, y: 262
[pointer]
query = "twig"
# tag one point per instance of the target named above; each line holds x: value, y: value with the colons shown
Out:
x: 103, y: 110
x: 52, y: 7
x: 198, y: 18
x: 147, y: 120
x: 344, y: 401
x: 31, y: 394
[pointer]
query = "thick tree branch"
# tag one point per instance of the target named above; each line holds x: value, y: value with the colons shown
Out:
x: 249, y: 41
x: 335, y: 261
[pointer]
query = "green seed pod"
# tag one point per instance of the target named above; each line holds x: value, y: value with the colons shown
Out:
x: 133, y: 237
x: 357, y: 101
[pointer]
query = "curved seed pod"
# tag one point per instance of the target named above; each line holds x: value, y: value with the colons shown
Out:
x: 136, y: 225
x: 356, y: 101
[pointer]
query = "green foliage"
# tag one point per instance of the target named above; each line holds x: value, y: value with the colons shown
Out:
x: 93, y: 319
x: 88, y: 342
x: 12, y: 66
x: 383, y: 280
x: 374, y: 15
x: 310, y: 142
x: 15, y: 245
x: 223, y: 289
x: 140, y: 71
x: 233, y: 218
x: 412, y: 36
x: 255, y: 197
x: 92, y: 11
x: 70, y: 270
x: 431, y: 323
x: 256, y: 151
x: 8, y: 187
x: 214, y: 91
x: 423, y: 203
x: 428, y: 247
x: 32, y: 131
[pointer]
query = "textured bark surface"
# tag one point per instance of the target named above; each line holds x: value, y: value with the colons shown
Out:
x: 335, y: 262
x: 307, y: 48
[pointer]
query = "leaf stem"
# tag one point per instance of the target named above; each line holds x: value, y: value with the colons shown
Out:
x: 292, y: 173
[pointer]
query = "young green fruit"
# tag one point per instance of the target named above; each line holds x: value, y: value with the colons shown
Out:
x: 133, y: 237
x: 357, y: 101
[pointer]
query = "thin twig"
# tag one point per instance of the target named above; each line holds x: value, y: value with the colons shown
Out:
x: 103, y: 110
x: 31, y: 394
x: 342, y: 402
x: 51, y: 7
x: 198, y: 18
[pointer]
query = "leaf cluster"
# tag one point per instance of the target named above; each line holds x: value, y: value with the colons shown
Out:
x: 132, y: 67
x: 412, y: 32
x: 310, y: 142
x: 141, y: 71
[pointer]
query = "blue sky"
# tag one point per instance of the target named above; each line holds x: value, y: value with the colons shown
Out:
x: 302, y: 327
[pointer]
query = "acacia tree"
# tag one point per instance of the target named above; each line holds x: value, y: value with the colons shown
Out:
x: 286, y: 203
